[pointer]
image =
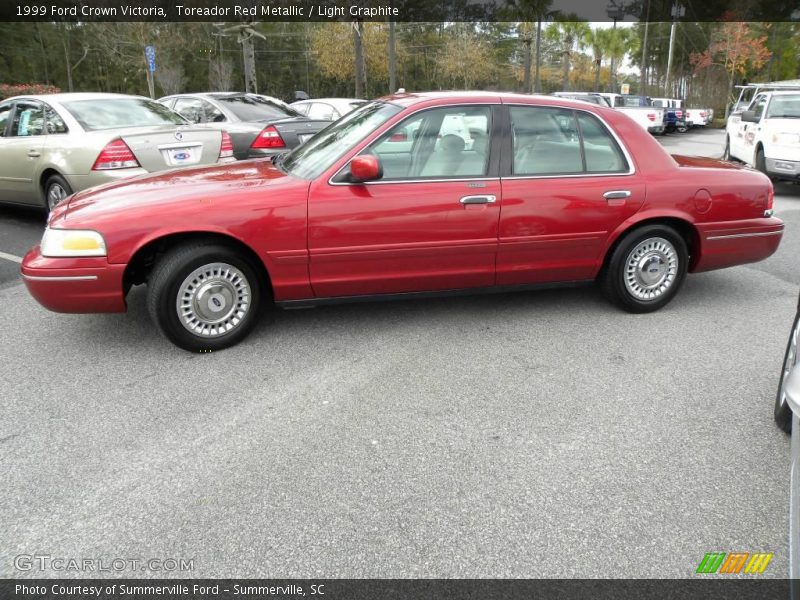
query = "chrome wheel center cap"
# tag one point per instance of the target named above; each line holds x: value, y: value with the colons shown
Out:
x: 652, y: 269
x: 214, y: 300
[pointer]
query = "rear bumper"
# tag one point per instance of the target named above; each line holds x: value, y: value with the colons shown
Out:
x: 74, y: 285
x: 656, y: 129
x: 735, y: 243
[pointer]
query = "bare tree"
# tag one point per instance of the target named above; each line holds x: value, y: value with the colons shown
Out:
x: 220, y: 75
x: 171, y: 78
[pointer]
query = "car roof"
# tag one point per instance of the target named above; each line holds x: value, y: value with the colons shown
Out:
x: 62, y: 97
x: 330, y: 100
x: 410, y: 99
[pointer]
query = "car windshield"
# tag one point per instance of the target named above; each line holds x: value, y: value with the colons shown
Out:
x: 784, y: 107
x: 316, y: 155
x: 256, y: 108
x: 113, y: 113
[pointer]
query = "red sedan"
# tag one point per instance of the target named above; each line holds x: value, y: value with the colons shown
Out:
x: 415, y: 193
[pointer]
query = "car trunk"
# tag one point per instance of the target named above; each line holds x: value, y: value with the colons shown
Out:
x: 159, y: 148
x: 296, y: 131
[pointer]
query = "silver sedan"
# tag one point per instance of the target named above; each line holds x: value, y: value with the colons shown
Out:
x: 57, y: 144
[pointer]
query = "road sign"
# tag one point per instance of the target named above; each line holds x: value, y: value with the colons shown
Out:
x: 150, y: 54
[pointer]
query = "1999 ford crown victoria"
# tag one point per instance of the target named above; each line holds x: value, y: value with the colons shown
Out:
x: 431, y: 192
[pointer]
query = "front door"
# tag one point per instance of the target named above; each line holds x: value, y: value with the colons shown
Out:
x: 430, y: 223
x: 20, y: 150
x: 567, y: 186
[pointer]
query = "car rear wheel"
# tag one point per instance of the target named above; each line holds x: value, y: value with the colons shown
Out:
x: 682, y: 128
x: 646, y: 269
x: 783, y: 414
x: 56, y: 189
x: 204, y: 296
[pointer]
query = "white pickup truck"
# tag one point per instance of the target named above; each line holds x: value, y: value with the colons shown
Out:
x: 649, y: 117
x: 698, y: 117
x: 767, y: 135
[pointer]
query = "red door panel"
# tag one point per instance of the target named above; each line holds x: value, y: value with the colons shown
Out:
x: 554, y: 229
x: 384, y: 238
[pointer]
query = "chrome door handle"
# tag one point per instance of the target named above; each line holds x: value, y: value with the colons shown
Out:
x: 478, y: 199
x: 617, y: 194
x: 34, y: 153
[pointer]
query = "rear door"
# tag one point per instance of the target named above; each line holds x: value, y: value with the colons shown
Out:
x: 21, y: 150
x: 567, y: 184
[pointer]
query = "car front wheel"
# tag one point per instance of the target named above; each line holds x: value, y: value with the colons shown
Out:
x: 204, y: 296
x: 646, y: 269
x: 783, y: 413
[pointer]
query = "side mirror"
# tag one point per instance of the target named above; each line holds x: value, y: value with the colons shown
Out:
x: 365, y: 167
x: 750, y: 116
x: 792, y: 389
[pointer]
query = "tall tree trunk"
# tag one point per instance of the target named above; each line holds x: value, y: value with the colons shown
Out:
x: 360, y: 66
x: 537, y: 79
x: 526, y: 82
x: 68, y: 63
x: 249, y: 55
x: 597, y: 66
x: 565, y: 66
x: 392, y: 60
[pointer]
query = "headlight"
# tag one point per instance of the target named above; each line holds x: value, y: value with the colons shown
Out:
x: 72, y: 242
x: 786, y: 138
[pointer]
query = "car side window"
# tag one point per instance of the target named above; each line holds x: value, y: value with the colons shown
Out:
x: 28, y: 119
x: 211, y: 113
x: 759, y: 104
x: 448, y: 142
x: 557, y: 141
x: 545, y: 141
x: 5, y: 112
x: 320, y: 110
x: 53, y: 121
x: 600, y: 149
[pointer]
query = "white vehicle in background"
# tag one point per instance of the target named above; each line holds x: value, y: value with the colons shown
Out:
x: 327, y: 109
x: 698, y: 117
x: 767, y: 135
x: 649, y: 117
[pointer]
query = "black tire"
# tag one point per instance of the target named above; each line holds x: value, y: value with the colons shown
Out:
x: 169, y: 276
x: 51, y: 197
x: 682, y: 129
x: 783, y: 413
x: 761, y: 163
x: 613, y: 277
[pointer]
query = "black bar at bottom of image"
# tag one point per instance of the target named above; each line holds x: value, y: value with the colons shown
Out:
x: 705, y: 588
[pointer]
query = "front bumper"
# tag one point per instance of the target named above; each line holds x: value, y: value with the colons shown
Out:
x: 74, y: 285
x: 732, y: 243
x: 784, y: 168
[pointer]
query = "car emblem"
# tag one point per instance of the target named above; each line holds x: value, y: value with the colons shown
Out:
x: 178, y: 136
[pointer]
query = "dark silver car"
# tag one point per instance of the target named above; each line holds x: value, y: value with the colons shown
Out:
x: 258, y: 125
x: 53, y: 145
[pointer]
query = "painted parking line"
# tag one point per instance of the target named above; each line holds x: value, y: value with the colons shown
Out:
x: 11, y: 257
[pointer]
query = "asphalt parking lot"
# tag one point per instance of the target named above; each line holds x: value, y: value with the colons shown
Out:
x: 540, y: 434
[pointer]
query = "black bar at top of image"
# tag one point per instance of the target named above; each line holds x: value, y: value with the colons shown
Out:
x: 382, y: 10
x: 700, y: 588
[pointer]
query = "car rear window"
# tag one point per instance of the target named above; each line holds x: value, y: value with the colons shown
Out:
x: 111, y: 113
x: 254, y: 108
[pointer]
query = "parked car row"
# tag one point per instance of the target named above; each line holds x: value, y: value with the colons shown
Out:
x: 56, y: 144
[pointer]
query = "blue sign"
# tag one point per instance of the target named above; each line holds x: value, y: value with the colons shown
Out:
x: 150, y: 54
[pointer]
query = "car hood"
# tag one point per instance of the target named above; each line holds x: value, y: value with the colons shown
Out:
x: 197, y: 185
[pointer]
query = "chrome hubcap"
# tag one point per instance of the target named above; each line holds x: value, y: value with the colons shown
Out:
x: 55, y: 194
x: 651, y: 268
x: 791, y: 360
x: 213, y: 300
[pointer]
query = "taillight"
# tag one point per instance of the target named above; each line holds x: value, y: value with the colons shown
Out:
x: 398, y: 137
x: 679, y: 113
x: 116, y: 155
x: 770, y: 196
x: 702, y: 114
x: 226, y: 147
x: 268, y: 138
x: 651, y: 116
